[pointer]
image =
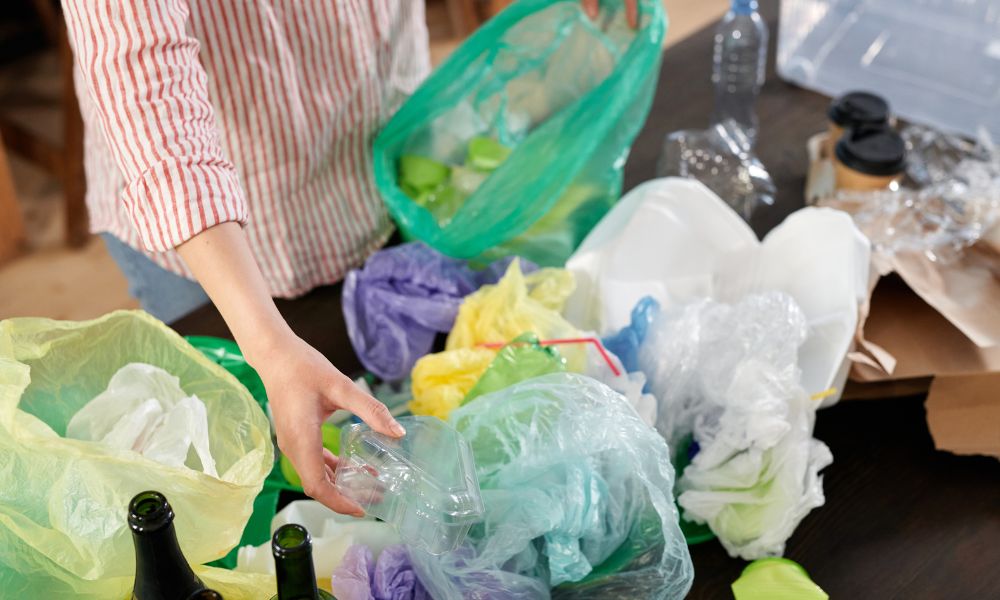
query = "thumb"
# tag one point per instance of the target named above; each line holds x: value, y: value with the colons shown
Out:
x: 371, y: 411
x: 591, y: 7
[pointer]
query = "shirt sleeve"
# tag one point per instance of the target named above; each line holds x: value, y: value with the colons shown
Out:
x: 142, y: 73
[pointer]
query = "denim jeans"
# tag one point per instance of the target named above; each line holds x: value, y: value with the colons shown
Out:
x: 163, y: 294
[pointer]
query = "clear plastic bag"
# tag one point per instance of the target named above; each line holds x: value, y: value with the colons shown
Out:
x: 578, y: 496
x: 566, y: 93
x: 727, y: 381
x: 62, y: 515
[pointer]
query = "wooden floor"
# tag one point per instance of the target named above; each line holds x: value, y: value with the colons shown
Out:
x: 52, y: 281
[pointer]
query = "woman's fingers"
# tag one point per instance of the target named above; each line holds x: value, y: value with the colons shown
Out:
x: 368, y: 409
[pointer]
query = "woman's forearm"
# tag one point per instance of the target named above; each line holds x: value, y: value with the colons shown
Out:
x: 221, y: 260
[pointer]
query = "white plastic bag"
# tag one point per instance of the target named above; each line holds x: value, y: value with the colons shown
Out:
x: 676, y: 241
x: 729, y: 394
x: 145, y: 410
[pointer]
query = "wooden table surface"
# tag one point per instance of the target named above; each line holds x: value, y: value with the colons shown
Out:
x: 901, y: 520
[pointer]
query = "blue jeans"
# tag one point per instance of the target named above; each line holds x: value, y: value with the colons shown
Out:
x: 163, y: 294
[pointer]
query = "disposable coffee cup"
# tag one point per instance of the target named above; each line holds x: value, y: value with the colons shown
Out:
x: 869, y: 157
x: 852, y: 110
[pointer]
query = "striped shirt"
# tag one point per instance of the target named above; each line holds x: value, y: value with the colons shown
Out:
x: 199, y: 112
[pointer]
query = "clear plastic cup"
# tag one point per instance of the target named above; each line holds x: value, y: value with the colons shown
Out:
x: 424, y: 484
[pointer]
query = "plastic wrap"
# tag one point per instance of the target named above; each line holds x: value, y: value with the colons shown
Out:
x: 722, y: 159
x: 727, y: 381
x: 442, y: 380
x: 565, y: 92
x: 950, y: 201
x: 390, y: 577
x: 62, y: 515
x: 402, y: 298
x: 578, y: 494
x: 518, y: 361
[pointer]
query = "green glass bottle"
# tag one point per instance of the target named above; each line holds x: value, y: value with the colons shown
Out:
x: 161, y: 571
x: 206, y: 595
x: 293, y: 565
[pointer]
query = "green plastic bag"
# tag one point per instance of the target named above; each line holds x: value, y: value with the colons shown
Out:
x: 776, y: 579
x: 522, y: 359
x: 568, y: 94
x: 63, y: 502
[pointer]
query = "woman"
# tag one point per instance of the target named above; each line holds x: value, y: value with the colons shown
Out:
x: 227, y: 158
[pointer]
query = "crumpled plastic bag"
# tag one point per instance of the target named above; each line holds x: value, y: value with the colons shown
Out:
x: 674, y: 240
x: 332, y: 535
x: 626, y: 342
x: 522, y: 359
x: 727, y: 381
x: 442, y: 380
x: 578, y: 494
x: 63, y: 531
x: 495, y: 314
x: 145, y: 410
x: 390, y: 577
x: 517, y: 304
x: 401, y: 299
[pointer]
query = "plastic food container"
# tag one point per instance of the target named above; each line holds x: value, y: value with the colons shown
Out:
x: 423, y: 484
x: 937, y: 62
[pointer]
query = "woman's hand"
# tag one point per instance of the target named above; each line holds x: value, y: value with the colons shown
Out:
x: 593, y: 7
x: 303, y: 390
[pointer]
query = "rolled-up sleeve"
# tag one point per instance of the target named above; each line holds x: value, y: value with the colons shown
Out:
x: 141, y: 70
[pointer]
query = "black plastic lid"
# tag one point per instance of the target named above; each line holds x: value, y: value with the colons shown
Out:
x: 149, y: 511
x: 290, y: 540
x: 858, y: 108
x: 872, y: 150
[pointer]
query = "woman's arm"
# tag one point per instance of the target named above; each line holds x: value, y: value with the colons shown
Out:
x: 140, y: 68
x: 303, y: 388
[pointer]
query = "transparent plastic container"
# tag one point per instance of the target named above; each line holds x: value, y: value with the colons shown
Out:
x: 937, y: 62
x: 424, y: 484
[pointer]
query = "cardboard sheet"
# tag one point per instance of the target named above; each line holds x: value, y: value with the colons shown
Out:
x: 963, y: 413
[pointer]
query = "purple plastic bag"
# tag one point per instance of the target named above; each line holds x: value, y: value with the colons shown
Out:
x: 402, y: 298
x: 391, y: 578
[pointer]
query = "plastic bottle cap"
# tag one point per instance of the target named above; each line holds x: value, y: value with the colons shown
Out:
x: 149, y: 511
x: 290, y: 540
x: 872, y: 150
x: 744, y: 7
x: 858, y: 108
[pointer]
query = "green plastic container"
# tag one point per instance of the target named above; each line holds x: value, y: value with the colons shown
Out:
x: 258, y: 529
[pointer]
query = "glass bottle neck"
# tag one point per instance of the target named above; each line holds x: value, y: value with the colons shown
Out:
x: 161, y: 571
x: 296, y: 577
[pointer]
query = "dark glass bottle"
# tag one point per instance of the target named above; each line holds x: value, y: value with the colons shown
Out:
x: 161, y: 571
x: 293, y: 564
x: 206, y: 595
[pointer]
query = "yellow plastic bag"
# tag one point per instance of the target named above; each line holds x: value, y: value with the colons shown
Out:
x: 441, y: 381
x: 63, y: 502
x: 494, y: 315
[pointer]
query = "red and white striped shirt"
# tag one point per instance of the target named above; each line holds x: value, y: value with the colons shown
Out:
x: 198, y: 112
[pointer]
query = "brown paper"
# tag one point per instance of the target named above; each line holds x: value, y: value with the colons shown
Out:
x: 963, y: 413
x: 921, y: 340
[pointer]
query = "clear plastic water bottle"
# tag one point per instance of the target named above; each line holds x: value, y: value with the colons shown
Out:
x: 739, y: 63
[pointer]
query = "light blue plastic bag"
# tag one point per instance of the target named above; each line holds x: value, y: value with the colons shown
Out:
x: 578, y: 496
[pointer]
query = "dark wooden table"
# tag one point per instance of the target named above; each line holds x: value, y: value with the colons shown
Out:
x: 901, y: 520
